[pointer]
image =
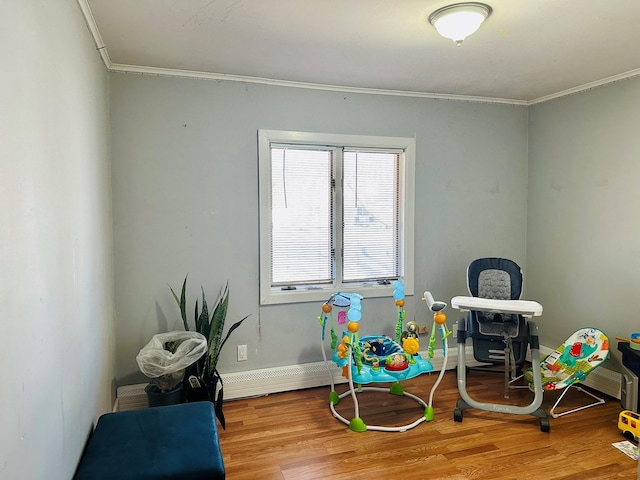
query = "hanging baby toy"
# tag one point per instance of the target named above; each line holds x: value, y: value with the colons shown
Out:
x: 409, y: 337
x: 439, y: 319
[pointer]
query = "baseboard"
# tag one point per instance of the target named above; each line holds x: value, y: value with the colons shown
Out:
x: 295, y: 377
x: 265, y: 381
x: 132, y: 397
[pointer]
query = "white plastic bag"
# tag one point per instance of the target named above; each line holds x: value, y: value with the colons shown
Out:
x: 154, y: 361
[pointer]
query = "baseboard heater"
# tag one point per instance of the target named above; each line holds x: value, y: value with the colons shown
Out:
x: 265, y: 381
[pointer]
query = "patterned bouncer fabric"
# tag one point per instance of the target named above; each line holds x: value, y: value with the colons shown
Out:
x: 571, y: 362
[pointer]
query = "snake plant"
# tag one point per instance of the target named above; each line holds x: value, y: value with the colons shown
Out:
x: 211, y: 327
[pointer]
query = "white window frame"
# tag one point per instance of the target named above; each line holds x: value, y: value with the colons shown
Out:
x: 269, y: 295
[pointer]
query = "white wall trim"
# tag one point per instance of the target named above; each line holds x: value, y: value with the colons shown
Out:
x: 170, y: 72
x: 266, y: 381
x: 95, y: 33
x: 587, y: 86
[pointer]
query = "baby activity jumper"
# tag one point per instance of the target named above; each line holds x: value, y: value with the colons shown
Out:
x: 372, y: 359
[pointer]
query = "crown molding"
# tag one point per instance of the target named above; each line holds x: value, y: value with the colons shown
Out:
x: 95, y: 33
x: 170, y: 72
x: 587, y: 86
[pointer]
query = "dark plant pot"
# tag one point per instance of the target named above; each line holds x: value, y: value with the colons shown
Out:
x: 196, y: 390
x: 159, y: 398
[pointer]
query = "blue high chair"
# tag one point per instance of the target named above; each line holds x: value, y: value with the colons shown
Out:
x: 498, y: 325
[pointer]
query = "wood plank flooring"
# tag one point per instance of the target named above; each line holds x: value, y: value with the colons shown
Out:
x: 294, y: 436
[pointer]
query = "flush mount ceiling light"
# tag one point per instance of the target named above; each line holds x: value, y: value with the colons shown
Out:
x: 459, y: 20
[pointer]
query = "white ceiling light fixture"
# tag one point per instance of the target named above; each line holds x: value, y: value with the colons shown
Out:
x: 459, y: 20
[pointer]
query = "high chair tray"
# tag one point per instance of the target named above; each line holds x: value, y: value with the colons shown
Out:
x: 526, y: 308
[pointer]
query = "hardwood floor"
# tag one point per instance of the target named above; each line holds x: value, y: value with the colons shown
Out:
x: 294, y: 436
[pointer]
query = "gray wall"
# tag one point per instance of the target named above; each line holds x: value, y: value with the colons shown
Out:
x: 56, y: 299
x: 185, y: 199
x: 583, y: 242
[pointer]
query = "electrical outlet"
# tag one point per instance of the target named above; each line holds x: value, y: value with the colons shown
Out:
x: 242, y: 353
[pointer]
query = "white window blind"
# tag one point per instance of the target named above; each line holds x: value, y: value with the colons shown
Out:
x: 336, y: 214
x: 371, y: 216
x: 301, y: 212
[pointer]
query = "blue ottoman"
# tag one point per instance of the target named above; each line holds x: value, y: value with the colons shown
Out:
x: 175, y: 441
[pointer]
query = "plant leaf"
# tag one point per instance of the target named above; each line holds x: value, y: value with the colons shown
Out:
x: 182, y: 302
x: 201, y: 362
x: 217, y: 326
x: 226, y: 337
x: 217, y: 405
x: 195, y: 317
x: 203, y: 319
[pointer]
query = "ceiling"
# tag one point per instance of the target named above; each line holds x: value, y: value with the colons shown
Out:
x: 526, y: 52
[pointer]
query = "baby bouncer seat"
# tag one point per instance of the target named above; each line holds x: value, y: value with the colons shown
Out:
x: 498, y: 325
x: 570, y: 364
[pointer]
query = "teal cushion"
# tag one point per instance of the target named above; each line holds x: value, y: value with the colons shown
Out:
x: 175, y: 441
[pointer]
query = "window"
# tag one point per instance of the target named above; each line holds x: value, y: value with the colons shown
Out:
x: 336, y: 214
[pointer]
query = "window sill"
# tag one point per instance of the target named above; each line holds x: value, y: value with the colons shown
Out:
x: 315, y: 294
